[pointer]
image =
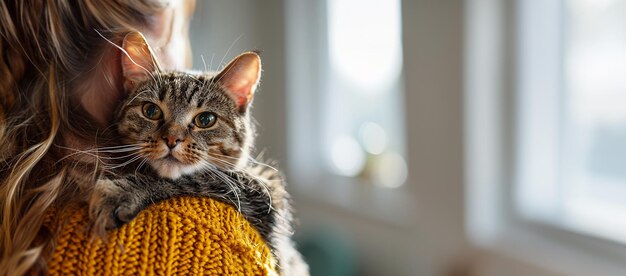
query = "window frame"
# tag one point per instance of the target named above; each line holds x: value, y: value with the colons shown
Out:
x: 492, y: 102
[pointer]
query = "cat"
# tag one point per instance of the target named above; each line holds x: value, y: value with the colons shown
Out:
x: 191, y: 134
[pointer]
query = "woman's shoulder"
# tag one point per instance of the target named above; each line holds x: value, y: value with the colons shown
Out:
x: 184, y: 235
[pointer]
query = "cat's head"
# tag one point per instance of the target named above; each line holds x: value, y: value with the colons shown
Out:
x: 182, y: 122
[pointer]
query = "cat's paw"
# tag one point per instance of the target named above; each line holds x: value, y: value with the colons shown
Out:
x: 110, y: 207
x: 125, y: 212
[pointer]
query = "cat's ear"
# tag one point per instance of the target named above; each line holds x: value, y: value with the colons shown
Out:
x: 240, y: 78
x: 138, y: 60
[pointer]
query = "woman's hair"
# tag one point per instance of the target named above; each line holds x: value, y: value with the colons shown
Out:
x: 45, y: 46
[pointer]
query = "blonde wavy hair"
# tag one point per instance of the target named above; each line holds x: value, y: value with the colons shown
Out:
x: 45, y: 46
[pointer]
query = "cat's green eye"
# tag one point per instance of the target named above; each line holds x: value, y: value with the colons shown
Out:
x: 205, y: 120
x: 152, y: 111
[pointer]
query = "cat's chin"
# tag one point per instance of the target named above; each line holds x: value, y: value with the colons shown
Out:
x: 173, y: 170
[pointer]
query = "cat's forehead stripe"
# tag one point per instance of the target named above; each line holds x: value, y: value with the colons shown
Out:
x: 181, y: 88
x: 162, y: 93
x: 200, y: 103
x: 192, y: 93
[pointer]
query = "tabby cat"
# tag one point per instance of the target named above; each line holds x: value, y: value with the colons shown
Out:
x: 194, y: 133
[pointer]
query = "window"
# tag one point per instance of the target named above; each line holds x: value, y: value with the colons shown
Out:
x: 544, y: 154
x: 351, y: 87
x: 345, y: 86
x: 595, y: 112
x: 361, y: 107
x: 572, y: 114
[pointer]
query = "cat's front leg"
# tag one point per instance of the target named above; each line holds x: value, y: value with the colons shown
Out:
x: 112, y: 203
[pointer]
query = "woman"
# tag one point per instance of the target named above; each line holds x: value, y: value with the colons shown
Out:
x: 59, y: 83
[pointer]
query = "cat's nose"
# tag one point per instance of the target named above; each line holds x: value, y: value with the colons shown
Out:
x: 171, y: 141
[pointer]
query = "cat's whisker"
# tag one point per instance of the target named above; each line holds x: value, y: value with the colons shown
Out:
x: 140, y: 165
x: 254, y: 161
x: 97, y: 157
x: 230, y: 48
x: 77, y: 152
x: 261, y: 181
x: 119, y: 166
x: 216, y: 159
x: 115, y: 152
x: 231, y: 184
x: 118, y: 149
x: 203, y: 62
x: 236, y: 204
x: 120, y: 157
x: 130, y: 158
x: 250, y: 159
x: 137, y: 157
x: 95, y: 154
x: 103, y: 149
x: 138, y: 94
x: 204, y: 83
x: 119, y: 146
x: 214, y: 81
x: 223, y: 162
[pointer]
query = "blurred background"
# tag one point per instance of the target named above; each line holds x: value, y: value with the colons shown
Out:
x: 440, y: 137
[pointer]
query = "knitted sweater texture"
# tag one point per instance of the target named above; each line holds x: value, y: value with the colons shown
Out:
x: 181, y: 236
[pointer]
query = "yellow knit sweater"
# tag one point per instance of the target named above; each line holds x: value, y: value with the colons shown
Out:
x: 182, y: 236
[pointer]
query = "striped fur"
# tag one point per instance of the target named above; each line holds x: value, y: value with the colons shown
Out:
x: 181, y: 96
x: 213, y: 162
